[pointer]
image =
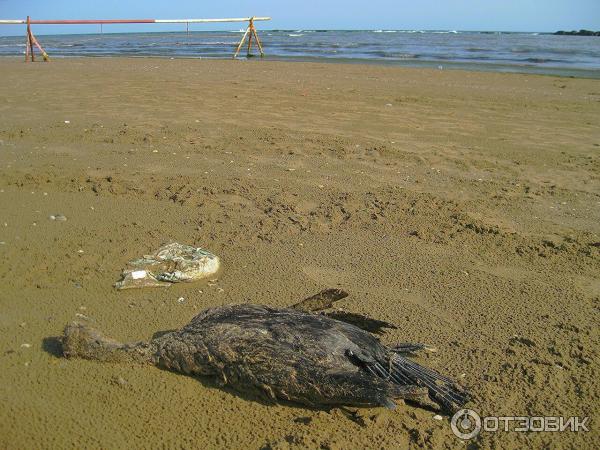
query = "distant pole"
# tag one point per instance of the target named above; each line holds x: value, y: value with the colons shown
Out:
x: 187, y: 27
x: 258, y: 41
x: 239, y: 47
x: 101, y: 32
x: 27, y: 43
x: 250, y: 27
x: 30, y: 39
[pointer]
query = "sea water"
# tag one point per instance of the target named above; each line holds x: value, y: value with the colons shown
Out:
x: 495, y: 51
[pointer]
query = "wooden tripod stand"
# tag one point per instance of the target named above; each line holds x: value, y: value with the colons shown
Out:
x: 250, y: 31
x: 31, y: 41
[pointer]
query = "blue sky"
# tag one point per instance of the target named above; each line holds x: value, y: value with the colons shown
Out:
x: 505, y: 15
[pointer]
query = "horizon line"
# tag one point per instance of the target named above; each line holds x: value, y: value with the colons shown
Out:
x: 416, y: 30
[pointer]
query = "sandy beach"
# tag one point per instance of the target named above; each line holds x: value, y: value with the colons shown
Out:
x: 463, y: 207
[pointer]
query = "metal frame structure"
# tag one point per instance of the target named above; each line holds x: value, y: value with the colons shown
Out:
x: 32, y: 42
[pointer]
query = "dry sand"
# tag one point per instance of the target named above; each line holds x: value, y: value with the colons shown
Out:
x: 464, y: 207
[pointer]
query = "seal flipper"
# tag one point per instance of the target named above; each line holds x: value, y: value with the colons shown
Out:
x: 361, y: 321
x: 415, y: 382
x: 326, y: 299
x: 396, y: 390
x: 323, y: 300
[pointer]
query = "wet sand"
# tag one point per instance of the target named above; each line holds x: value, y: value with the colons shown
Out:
x: 463, y: 207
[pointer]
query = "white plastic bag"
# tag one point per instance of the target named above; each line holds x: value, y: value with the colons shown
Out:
x: 172, y: 263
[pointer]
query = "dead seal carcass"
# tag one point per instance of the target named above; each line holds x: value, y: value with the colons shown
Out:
x: 291, y: 354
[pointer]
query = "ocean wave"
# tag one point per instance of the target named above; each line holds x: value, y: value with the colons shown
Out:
x: 391, y: 55
x: 193, y: 44
x: 543, y: 60
x: 523, y: 50
x: 418, y: 31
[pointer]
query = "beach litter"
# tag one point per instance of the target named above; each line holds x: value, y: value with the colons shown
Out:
x: 171, y: 263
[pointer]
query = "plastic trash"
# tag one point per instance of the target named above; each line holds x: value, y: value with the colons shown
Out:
x: 172, y: 263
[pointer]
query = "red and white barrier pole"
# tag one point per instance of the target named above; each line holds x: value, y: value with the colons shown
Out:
x: 120, y: 21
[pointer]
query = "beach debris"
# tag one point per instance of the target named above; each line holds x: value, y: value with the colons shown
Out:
x: 58, y: 217
x: 25, y: 345
x: 67, y: 122
x: 119, y: 381
x: 171, y: 263
x: 181, y: 300
x: 438, y: 417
